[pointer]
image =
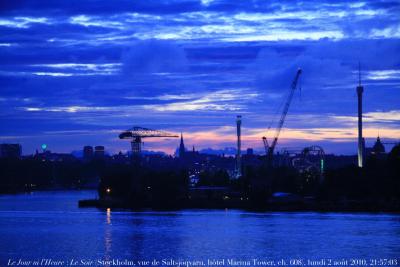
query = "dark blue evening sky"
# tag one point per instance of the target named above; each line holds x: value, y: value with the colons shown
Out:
x: 75, y: 73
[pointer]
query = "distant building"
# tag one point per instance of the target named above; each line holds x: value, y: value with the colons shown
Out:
x: 250, y: 151
x: 191, y: 155
x: 182, y: 149
x: 49, y: 156
x: 87, y: 152
x: 99, y: 151
x: 10, y: 151
x: 378, y: 147
x: 121, y: 158
x: 377, y: 150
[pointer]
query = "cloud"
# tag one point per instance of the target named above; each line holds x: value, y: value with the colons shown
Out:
x: 222, y: 100
x: 392, y: 116
x: 23, y: 22
x: 95, y: 21
x: 383, y: 74
x: 196, y: 64
x: 154, y: 56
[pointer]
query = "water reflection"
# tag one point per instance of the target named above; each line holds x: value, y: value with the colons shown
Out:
x: 108, y: 237
x: 51, y: 225
x: 108, y: 216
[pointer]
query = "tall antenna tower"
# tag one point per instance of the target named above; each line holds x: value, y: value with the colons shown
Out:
x: 238, y: 152
x: 361, y: 142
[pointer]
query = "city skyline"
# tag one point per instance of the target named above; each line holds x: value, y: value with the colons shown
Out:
x: 79, y: 74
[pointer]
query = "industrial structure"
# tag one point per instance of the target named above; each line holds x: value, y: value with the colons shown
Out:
x: 238, y: 171
x: 361, y: 141
x: 136, y: 134
x: 269, y: 149
x: 312, y: 160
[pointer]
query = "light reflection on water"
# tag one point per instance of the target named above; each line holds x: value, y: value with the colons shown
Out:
x: 108, y: 237
x: 49, y: 224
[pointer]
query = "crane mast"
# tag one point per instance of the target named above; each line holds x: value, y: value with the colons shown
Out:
x: 270, y: 149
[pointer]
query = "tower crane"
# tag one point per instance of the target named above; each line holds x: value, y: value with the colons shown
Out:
x: 269, y: 149
x: 135, y: 134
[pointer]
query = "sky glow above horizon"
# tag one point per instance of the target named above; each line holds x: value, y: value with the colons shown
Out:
x: 75, y: 73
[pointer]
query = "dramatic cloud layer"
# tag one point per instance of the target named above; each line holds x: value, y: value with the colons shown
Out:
x: 77, y: 72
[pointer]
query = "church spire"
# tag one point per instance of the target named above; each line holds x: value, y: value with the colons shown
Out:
x: 182, y: 148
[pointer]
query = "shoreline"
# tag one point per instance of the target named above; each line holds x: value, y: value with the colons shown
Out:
x: 268, y: 207
x: 58, y: 189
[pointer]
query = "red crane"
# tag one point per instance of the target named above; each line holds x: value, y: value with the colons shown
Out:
x: 269, y: 149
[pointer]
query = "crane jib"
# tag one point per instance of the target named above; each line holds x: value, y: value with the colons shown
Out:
x: 283, y: 116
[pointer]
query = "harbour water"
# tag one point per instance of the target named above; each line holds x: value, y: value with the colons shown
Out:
x: 49, y: 225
